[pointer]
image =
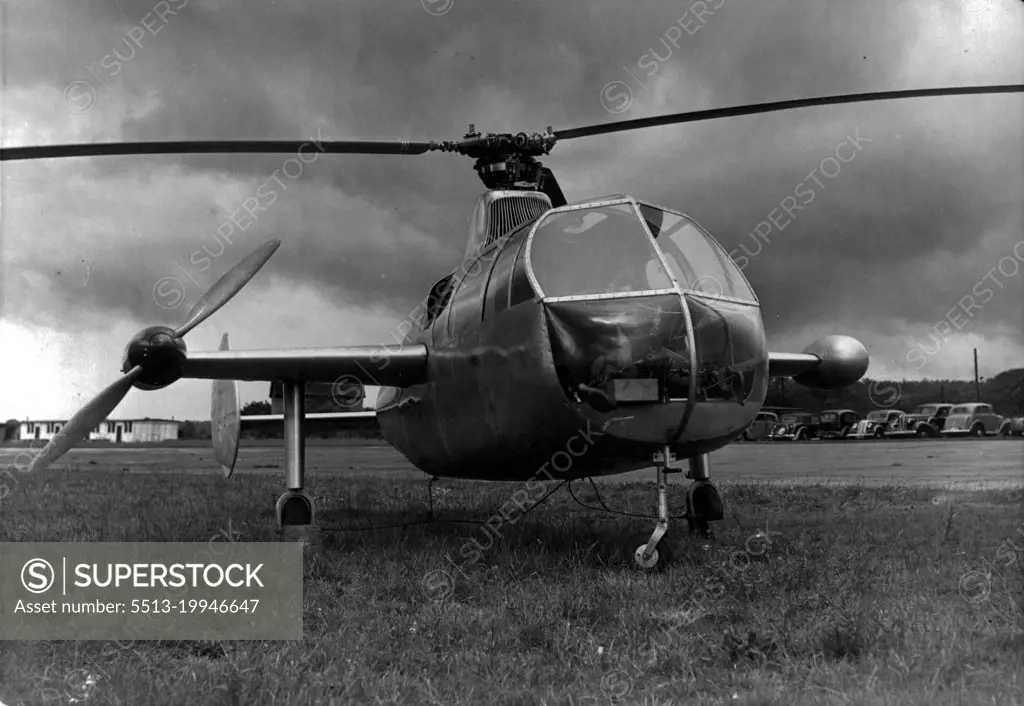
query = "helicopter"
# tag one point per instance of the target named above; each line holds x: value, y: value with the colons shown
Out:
x: 583, y: 339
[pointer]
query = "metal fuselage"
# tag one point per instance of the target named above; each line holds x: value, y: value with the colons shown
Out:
x: 545, y: 361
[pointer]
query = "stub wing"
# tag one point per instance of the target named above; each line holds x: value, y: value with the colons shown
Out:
x: 359, y: 365
x: 371, y: 365
x: 789, y: 365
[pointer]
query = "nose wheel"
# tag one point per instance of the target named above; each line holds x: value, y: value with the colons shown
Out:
x: 703, y: 505
x: 654, y: 554
x: 652, y: 562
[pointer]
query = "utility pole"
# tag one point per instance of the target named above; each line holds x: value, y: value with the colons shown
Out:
x: 977, y: 386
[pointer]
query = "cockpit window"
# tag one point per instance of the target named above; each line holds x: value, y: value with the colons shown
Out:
x: 600, y: 250
x: 697, y: 261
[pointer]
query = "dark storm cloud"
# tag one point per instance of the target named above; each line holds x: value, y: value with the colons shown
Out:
x: 861, y: 236
x: 389, y: 70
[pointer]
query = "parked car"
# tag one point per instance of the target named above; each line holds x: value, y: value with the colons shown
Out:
x: 761, y: 427
x: 1013, y: 426
x: 974, y: 418
x: 797, y: 426
x: 836, y: 423
x: 878, y: 424
x: 929, y: 419
x: 900, y: 426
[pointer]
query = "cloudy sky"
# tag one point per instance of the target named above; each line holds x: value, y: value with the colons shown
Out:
x: 924, y: 204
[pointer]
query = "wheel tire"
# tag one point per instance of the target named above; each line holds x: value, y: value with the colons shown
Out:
x: 879, y: 434
x: 701, y: 538
x: 658, y: 562
x: 922, y: 432
x: 978, y: 430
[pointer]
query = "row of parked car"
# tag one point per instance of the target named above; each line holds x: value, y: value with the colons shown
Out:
x: 928, y: 420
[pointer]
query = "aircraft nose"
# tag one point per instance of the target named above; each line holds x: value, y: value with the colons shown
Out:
x: 610, y: 350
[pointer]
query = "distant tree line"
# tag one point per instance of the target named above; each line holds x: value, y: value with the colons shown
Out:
x: 1005, y: 392
x: 254, y: 407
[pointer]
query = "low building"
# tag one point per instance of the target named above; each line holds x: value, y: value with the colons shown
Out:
x: 39, y: 428
x: 115, y: 430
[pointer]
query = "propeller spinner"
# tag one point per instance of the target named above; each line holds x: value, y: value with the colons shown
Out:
x: 154, y: 357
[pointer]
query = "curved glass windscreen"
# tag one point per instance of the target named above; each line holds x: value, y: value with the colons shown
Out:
x: 600, y: 250
x: 697, y: 262
x: 731, y: 352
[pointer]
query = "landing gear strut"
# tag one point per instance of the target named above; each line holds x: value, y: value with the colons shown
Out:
x: 703, y: 505
x: 296, y: 510
x: 650, y: 556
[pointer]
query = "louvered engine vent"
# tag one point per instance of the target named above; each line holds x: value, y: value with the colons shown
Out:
x: 506, y: 214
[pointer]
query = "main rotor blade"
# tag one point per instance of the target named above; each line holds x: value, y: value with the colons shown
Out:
x: 227, y: 286
x: 10, y: 154
x: 86, y: 419
x: 715, y: 113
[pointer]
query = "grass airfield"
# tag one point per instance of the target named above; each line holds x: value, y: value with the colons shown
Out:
x: 844, y: 573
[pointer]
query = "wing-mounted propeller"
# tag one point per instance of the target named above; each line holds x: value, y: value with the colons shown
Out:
x: 154, y: 357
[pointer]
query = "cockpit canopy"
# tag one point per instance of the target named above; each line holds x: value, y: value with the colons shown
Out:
x: 613, y: 248
x: 596, y: 250
x: 696, y: 260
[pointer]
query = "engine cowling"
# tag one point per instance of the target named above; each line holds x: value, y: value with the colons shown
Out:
x: 844, y: 360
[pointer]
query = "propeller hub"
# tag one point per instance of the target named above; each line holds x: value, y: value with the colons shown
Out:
x: 160, y: 355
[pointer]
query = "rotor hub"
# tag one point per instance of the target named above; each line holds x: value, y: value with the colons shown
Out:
x: 504, y: 160
x: 159, y: 353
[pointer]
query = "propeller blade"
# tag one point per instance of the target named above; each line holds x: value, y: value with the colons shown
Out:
x: 11, y: 154
x: 225, y: 422
x: 715, y: 113
x: 549, y: 185
x: 227, y: 286
x: 85, y: 420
